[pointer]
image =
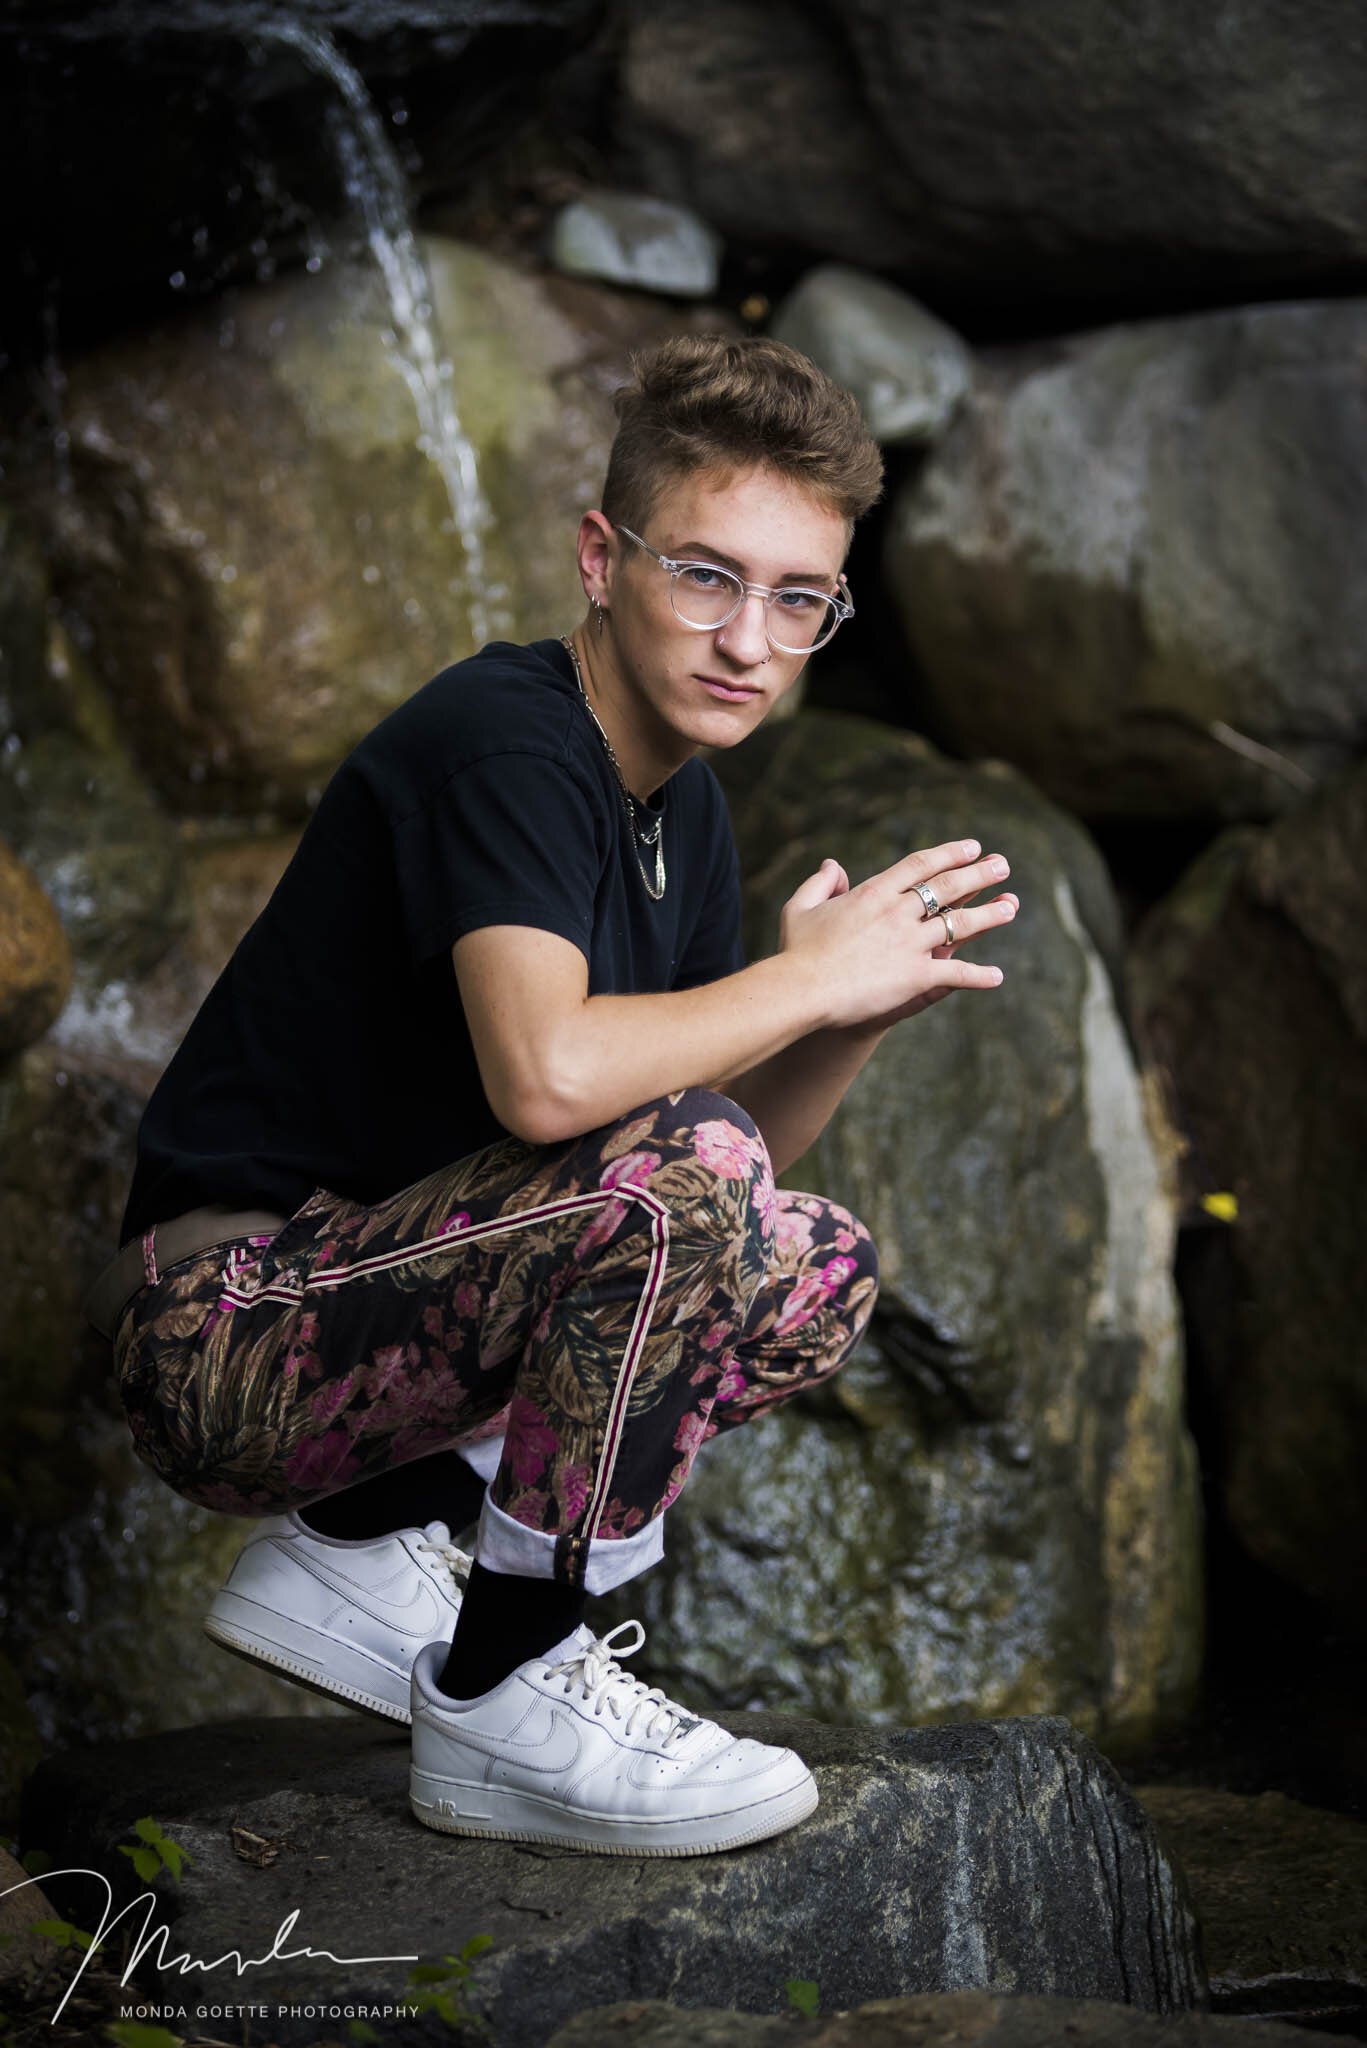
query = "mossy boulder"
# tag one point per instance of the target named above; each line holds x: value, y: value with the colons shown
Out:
x: 267, y: 545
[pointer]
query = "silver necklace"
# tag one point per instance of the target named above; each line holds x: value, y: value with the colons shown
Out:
x: 655, y: 890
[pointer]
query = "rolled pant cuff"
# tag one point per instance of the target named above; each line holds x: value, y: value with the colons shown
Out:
x: 482, y: 1456
x: 504, y: 1545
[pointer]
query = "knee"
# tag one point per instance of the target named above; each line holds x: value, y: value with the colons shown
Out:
x: 706, y: 1157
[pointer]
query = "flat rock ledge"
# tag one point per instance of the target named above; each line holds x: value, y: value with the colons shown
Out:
x: 1001, y: 1854
x: 939, y: 2019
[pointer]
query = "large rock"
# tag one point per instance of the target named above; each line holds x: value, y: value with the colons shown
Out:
x: 994, y: 1507
x: 996, y: 1854
x: 65, y: 1141
x: 993, y: 154
x: 264, y: 559
x: 35, y: 960
x: 1132, y: 566
x: 934, y: 2019
x: 1280, y: 1890
x: 1250, y: 988
x: 71, y: 801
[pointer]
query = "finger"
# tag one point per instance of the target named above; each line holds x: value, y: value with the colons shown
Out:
x: 957, y: 885
x: 931, y: 860
x: 969, y: 974
x: 966, y: 922
x: 819, y: 887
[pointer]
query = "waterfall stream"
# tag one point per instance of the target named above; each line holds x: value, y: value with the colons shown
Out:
x: 374, y: 181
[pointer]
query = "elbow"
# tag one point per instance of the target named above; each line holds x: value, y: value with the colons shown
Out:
x: 540, y: 1109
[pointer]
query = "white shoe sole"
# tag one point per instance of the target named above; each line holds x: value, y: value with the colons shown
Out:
x: 501, y: 1814
x: 293, y: 1650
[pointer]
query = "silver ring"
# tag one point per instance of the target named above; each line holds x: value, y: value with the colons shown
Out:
x: 927, y: 896
x: 949, y: 927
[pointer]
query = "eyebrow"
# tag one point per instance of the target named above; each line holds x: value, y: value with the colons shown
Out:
x: 725, y: 561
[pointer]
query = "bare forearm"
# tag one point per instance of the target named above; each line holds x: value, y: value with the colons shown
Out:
x: 793, y: 1094
x: 616, y: 1051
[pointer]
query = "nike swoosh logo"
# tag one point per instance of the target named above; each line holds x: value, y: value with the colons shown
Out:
x: 551, y: 1754
x: 419, y: 1615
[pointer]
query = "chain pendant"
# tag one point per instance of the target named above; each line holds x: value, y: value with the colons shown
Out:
x: 655, y: 890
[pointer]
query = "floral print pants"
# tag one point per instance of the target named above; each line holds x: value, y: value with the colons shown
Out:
x: 605, y: 1305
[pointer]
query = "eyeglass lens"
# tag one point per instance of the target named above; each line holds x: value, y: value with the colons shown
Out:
x: 798, y: 620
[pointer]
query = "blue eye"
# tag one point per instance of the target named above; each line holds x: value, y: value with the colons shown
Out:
x: 697, y: 573
x: 800, y: 601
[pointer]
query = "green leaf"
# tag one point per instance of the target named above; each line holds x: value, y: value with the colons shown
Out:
x: 137, y: 2034
x: 361, y: 2032
x: 804, y: 1996
x: 476, y: 1946
x: 61, y: 1930
x: 146, y: 1862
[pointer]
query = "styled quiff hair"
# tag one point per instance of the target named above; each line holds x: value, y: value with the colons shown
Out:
x: 714, y: 403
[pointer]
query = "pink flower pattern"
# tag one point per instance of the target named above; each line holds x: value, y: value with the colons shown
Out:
x: 251, y: 1410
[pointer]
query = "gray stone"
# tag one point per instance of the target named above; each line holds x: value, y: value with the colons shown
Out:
x: 1250, y: 991
x: 1280, y: 1890
x: 994, y: 1505
x: 627, y: 238
x: 1131, y: 566
x: 1005, y: 156
x: 907, y: 369
x: 994, y: 1853
x: 936, y: 2019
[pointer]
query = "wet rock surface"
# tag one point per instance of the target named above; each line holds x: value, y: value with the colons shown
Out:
x: 1248, y: 992
x: 946, y: 2019
x: 952, y: 1520
x: 1001, y: 1851
x: 1280, y: 1890
x: 267, y: 553
x: 35, y: 959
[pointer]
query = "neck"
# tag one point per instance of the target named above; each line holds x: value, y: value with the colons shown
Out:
x: 647, y: 754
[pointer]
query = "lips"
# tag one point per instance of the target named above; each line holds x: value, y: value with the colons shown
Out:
x: 730, y: 693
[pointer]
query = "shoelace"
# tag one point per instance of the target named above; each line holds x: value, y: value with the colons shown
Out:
x: 452, y: 1562
x: 594, y: 1671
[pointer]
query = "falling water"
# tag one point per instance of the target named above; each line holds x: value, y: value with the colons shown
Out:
x: 374, y: 181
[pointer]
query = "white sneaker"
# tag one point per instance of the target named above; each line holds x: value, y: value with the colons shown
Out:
x: 571, y: 1749
x: 341, y: 1616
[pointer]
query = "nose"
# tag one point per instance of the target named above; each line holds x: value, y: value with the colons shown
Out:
x: 745, y: 638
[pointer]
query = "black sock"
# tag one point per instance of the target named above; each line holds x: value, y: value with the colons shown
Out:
x: 504, y: 1621
x: 440, y: 1487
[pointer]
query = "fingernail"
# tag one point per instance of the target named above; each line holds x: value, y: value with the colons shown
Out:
x: 998, y: 867
x: 971, y: 847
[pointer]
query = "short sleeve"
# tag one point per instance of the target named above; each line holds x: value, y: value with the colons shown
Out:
x: 715, y: 947
x: 512, y: 838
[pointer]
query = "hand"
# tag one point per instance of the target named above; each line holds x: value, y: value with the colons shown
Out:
x: 874, y: 947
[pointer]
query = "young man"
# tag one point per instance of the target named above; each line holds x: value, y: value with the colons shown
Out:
x: 464, y: 1172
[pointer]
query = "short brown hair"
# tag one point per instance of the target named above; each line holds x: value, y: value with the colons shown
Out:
x: 715, y: 402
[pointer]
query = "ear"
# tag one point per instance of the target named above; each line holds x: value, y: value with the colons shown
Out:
x: 597, y: 551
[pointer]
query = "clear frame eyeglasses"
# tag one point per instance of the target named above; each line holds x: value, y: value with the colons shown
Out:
x: 704, y: 596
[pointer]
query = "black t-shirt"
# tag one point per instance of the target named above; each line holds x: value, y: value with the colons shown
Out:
x: 332, y: 1051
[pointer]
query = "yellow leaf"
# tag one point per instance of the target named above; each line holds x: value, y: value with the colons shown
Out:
x: 1224, y: 1206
